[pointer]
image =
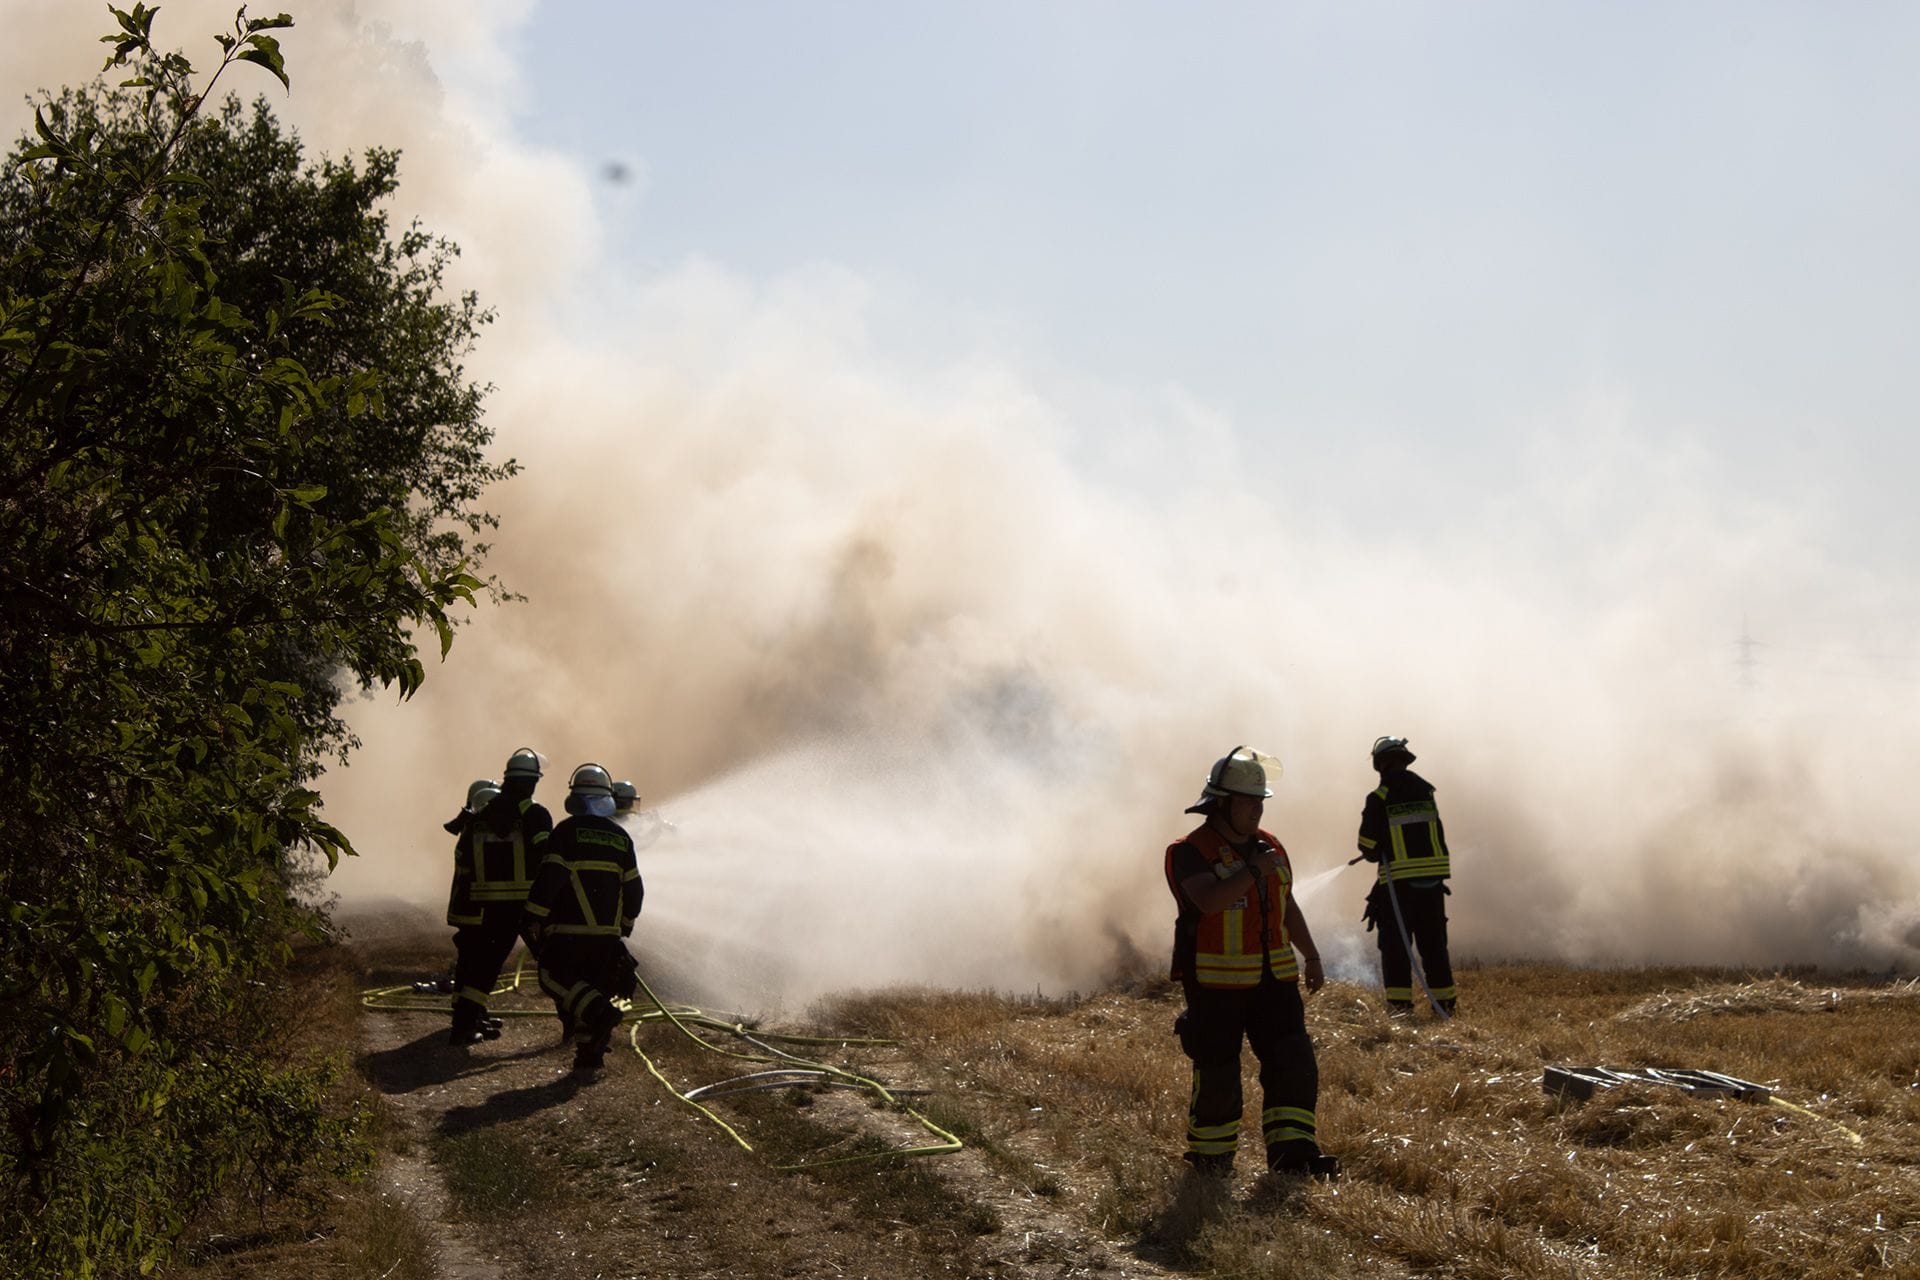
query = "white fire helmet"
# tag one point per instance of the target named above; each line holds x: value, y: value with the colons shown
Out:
x: 524, y: 763
x: 1390, y: 746
x: 1241, y: 772
x: 624, y: 795
x: 481, y: 793
x: 591, y: 780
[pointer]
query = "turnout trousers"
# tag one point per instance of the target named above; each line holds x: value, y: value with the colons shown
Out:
x: 1271, y: 1018
x: 480, y: 951
x: 1425, y: 911
x: 585, y: 975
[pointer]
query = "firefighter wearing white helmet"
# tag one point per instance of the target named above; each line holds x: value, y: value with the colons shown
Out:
x: 495, y: 861
x: 462, y: 910
x: 1400, y: 830
x: 479, y: 792
x: 625, y: 796
x: 582, y: 906
x: 1235, y: 939
x: 460, y: 906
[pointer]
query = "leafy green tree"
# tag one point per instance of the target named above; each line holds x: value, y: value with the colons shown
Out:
x: 413, y: 443
x: 239, y: 459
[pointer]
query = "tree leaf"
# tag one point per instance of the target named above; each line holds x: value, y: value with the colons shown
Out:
x: 265, y: 51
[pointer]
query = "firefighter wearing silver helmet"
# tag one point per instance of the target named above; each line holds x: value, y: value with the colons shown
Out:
x: 501, y: 848
x: 479, y: 792
x: 582, y: 906
x: 1400, y: 830
x: 461, y: 908
x: 1234, y: 954
x: 625, y: 796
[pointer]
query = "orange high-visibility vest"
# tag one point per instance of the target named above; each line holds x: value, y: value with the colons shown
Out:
x: 1229, y: 948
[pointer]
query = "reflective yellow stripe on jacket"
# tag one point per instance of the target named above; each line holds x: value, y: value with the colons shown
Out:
x: 591, y: 879
x: 504, y: 872
x: 1424, y: 855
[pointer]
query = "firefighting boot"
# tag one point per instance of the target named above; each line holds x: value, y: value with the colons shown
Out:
x: 1212, y: 1165
x: 595, y: 1035
x: 1301, y: 1158
x: 466, y: 1024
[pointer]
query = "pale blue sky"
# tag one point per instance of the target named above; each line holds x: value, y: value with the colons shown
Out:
x: 1414, y: 239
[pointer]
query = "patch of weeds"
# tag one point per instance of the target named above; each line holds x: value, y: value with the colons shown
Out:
x: 385, y: 1240
x: 963, y: 1126
x: 492, y: 1174
x: 979, y: 1219
x: 904, y: 1188
x: 960, y: 1124
x: 1125, y: 1205
x: 1235, y: 1246
x: 1198, y: 1202
x: 922, y: 1196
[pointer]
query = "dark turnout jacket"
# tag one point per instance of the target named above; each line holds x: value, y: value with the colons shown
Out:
x: 1400, y: 829
x: 588, y: 885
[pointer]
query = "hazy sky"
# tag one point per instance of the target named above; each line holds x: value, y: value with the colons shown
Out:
x: 1408, y: 251
x: 963, y: 423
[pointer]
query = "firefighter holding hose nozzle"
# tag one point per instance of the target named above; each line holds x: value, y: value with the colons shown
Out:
x: 1400, y: 829
x: 1234, y: 956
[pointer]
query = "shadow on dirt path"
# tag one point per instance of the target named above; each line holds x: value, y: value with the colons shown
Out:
x: 522, y: 1169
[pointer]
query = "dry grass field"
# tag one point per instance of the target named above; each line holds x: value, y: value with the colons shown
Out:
x: 1455, y: 1161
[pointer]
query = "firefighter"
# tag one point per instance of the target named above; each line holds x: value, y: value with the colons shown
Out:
x: 625, y: 796
x: 1400, y: 830
x: 460, y: 908
x: 1234, y: 956
x: 583, y: 903
x: 479, y: 792
x: 503, y: 844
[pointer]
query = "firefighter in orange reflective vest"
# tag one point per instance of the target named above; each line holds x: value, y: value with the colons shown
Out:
x: 493, y: 869
x: 1400, y: 830
x: 1233, y: 955
x: 583, y: 904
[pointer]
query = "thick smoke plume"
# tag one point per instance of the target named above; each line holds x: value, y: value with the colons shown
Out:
x: 922, y: 665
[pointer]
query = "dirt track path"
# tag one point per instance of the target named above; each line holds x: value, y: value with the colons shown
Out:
x: 628, y: 1182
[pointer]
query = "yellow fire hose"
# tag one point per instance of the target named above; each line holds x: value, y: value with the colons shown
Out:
x: 948, y: 1142
x: 1854, y: 1138
x: 802, y: 1070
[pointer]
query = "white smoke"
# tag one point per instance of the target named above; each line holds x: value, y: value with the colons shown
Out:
x: 924, y: 664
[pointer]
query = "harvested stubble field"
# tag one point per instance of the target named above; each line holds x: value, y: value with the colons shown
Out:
x: 1455, y: 1162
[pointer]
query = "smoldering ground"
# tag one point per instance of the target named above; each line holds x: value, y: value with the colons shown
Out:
x: 923, y: 660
